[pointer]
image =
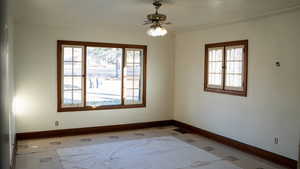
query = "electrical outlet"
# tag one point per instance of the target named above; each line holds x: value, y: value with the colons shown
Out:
x: 56, y: 123
x: 276, y: 140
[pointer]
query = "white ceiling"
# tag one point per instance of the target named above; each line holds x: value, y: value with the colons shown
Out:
x: 182, y: 13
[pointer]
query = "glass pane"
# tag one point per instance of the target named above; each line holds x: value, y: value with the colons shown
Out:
x: 137, y: 94
x: 129, y: 70
x: 215, y: 54
x: 77, y: 68
x: 233, y: 81
x: 68, y: 97
x: 234, y: 67
x: 234, y: 54
x: 137, y: 56
x: 77, y: 81
x: 137, y: 70
x: 128, y: 83
x: 215, y: 67
x: 129, y: 93
x: 129, y: 56
x: 67, y: 54
x: 77, y: 54
x: 137, y: 83
x: 67, y: 83
x: 68, y: 68
x: 215, y: 79
x: 77, y: 97
x: 104, y: 76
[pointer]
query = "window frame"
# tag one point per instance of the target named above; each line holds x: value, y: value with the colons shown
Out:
x: 223, y: 90
x: 61, y: 43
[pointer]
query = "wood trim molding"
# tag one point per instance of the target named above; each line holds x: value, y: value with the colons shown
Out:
x: 276, y: 158
x: 90, y: 130
x: 84, y: 107
x: 223, y: 90
x: 14, y: 154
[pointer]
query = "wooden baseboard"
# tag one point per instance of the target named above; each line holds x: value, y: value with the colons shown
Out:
x: 90, y: 130
x: 13, y: 163
x: 276, y: 158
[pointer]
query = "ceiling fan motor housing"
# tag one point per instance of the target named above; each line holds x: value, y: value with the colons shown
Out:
x: 157, y: 17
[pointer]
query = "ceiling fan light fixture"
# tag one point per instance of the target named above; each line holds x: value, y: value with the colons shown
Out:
x: 157, y: 20
x: 157, y: 30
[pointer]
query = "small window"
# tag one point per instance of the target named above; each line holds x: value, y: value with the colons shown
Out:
x: 95, y: 76
x: 226, y: 67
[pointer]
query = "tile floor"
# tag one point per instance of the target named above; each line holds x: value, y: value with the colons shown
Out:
x: 42, y: 154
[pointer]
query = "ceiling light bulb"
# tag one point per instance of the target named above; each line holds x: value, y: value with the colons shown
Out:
x: 157, y: 31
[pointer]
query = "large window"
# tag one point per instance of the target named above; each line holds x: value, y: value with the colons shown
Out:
x: 226, y: 67
x: 95, y: 76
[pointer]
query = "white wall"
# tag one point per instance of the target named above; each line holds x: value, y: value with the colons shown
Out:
x: 272, y: 106
x: 36, y: 78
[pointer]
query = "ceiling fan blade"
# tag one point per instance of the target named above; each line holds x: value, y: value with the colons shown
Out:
x: 165, y: 23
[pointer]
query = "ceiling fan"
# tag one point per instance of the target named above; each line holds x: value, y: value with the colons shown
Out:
x: 157, y: 20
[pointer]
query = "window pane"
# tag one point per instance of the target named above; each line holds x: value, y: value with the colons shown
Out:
x: 129, y: 93
x: 215, y: 67
x: 104, y: 76
x: 77, y: 54
x: 67, y: 54
x: 68, y: 83
x: 234, y: 67
x: 129, y: 83
x: 234, y: 54
x: 137, y: 70
x: 130, y: 56
x: 215, y: 79
x: 137, y: 83
x: 68, y: 98
x: 137, y: 96
x: 68, y: 68
x: 137, y: 56
x: 234, y: 81
x: 215, y: 54
x: 132, y: 77
x: 77, y: 81
x: 77, y: 68
x: 77, y: 97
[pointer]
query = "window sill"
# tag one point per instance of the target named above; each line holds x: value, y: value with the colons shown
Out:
x: 90, y: 108
x: 229, y: 92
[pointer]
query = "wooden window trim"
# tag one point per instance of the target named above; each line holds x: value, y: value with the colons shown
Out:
x: 245, y: 68
x: 60, y: 44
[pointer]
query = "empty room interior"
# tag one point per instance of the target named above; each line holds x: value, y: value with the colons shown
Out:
x: 150, y: 84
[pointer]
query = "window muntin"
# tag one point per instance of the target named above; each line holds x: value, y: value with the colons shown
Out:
x: 226, y: 67
x: 95, y: 76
